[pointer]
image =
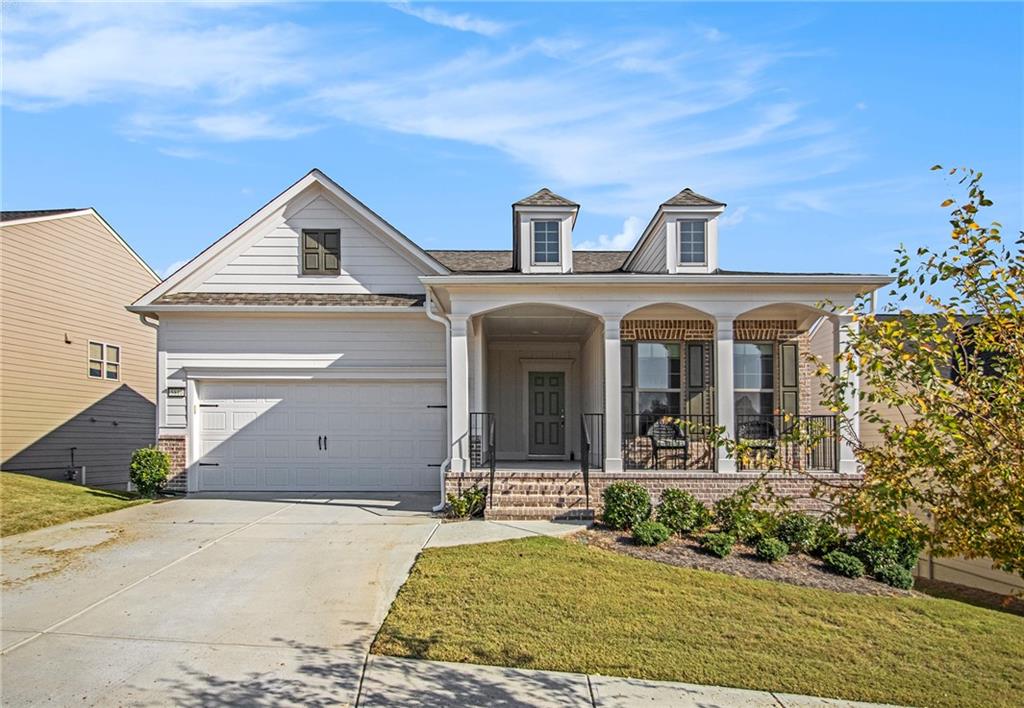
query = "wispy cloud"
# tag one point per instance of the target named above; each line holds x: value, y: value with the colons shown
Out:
x: 170, y: 269
x: 233, y: 127
x: 622, y: 241
x: 463, y: 22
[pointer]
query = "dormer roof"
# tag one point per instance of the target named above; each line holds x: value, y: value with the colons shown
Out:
x: 544, y: 197
x: 689, y: 198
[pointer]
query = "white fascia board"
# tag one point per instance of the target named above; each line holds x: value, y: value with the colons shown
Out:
x: 574, y: 210
x: 353, y: 309
x: 276, y: 204
x: 86, y: 212
x: 873, y: 281
x: 301, y: 374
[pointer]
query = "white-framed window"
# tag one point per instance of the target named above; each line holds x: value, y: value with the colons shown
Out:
x: 546, y: 242
x: 104, y: 361
x: 658, y: 380
x: 693, y: 241
x: 754, y: 378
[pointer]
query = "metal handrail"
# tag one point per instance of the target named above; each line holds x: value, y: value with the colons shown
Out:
x: 491, y: 437
x: 585, y: 455
x: 784, y: 438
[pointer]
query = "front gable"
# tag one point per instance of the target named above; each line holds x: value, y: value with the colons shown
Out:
x: 264, y: 253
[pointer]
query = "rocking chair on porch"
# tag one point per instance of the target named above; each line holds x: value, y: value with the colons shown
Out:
x: 667, y: 434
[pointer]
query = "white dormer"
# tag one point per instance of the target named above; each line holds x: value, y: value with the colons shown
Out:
x: 542, y: 233
x: 681, y: 238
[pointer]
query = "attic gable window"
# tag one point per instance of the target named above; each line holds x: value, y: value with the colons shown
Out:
x: 546, y: 240
x: 693, y: 242
x: 321, y: 252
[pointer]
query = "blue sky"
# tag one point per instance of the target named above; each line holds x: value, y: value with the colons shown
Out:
x: 816, y: 123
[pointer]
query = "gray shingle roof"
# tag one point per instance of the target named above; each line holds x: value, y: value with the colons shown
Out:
x: 15, y: 215
x: 298, y: 299
x: 688, y: 197
x: 545, y: 197
x: 501, y: 261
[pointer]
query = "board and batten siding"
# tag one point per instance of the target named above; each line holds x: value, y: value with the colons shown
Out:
x: 299, y: 343
x: 272, y: 263
x: 64, y: 282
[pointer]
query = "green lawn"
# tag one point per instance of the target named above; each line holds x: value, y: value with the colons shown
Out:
x: 555, y: 604
x: 28, y: 503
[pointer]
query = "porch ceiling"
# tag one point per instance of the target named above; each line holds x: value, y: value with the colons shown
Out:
x: 538, y: 321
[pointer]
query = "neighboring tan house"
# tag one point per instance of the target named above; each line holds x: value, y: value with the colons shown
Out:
x: 77, y: 372
x: 314, y: 347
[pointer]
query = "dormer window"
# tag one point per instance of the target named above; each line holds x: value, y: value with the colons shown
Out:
x: 693, y: 242
x: 546, y: 240
x: 321, y: 252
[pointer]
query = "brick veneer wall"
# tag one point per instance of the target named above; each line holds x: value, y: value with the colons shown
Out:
x: 520, y: 493
x: 175, y: 446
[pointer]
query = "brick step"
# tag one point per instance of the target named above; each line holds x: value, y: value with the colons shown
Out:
x: 537, y: 513
x: 563, y: 489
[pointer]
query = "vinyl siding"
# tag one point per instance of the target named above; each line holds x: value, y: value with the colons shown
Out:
x: 272, y: 264
x: 292, y: 342
x: 652, y: 257
x: 48, y: 403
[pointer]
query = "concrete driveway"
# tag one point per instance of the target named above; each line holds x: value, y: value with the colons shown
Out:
x: 262, y: 600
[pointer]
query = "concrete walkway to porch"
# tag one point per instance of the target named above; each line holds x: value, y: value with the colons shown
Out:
x: 389, y: 681
x: 464, y: 533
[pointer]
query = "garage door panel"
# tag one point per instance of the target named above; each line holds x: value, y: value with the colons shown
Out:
x: 380, y: 436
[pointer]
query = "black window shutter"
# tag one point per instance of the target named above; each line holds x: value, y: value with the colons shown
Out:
x: 790, y: 383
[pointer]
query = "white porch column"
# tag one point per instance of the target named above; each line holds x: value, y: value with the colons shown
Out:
x: 477, y: 358
x: 612, y: 395
x: 460, y: 395
x: 843, y: 328
x: 724, y: 384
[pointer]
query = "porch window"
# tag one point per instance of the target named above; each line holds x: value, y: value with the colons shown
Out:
x: 753, y: 378
x: 657, y: 378
x: 546, y: 242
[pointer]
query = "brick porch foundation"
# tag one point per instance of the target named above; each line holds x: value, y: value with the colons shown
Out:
x: 175, y: 446
x: 559, y: 495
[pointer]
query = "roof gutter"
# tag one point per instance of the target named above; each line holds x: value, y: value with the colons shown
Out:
x: 352, y: 309
x: 658, y: 279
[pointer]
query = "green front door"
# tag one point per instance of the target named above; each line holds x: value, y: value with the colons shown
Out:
x: 547, y: 413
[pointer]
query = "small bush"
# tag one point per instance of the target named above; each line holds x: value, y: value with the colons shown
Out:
x: 900, y: 550
x: 626, y: 504
x: 771, y: 549
x: 651, y: 533
x: 717, y: 544
x: 797, y: 530
x: 844, y: 564
x: 148, y: 470
x: 894, y: 575
x: 735, y: 513
x: 468, y: 504
x: 764, y: 524
x: 682, y: 512
x: 827, y: 538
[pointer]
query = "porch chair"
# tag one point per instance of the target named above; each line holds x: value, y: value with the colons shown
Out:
x: 759, y: 434
x: 666, y: 434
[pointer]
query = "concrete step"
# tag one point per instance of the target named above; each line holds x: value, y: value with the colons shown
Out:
x: 546, y: 500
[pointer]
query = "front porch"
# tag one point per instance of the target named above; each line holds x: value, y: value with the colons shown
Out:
x: 555, y: 403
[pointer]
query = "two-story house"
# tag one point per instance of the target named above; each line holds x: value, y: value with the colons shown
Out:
x: 314, y: 347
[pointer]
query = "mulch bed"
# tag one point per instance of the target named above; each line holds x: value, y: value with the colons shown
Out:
x: 797, y: 569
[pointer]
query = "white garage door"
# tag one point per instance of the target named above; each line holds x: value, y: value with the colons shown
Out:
x: 342, y: 436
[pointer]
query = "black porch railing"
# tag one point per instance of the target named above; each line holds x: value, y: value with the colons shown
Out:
x: 654, y: 441
x: 591, y: 447
x: 787, y: 442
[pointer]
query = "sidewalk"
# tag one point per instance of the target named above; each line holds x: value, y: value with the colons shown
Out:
x: 390, y: 681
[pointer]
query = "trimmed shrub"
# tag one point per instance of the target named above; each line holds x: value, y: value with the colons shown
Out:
x: 626, y: 504
x: 826, y: 538
x: 844, y: 564
x: 682, y: 512
x: 650, y: 533
x: 771, y: 549
x: 894, y: 575
x: 735, y: 513
x: 764, y: 524
x: 468, y: 504
x: 148, y: 470
x: 797, y: 530
x: 717, y: 544
x: 902, y: 551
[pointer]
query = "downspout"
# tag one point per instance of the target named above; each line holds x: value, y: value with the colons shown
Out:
x: 436, y: 317
x: 144, y: 319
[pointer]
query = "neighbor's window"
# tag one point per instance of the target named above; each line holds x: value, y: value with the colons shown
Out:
x: 546, y: 241
x: 692, y: 241
x: 753, y: 368
x: 104, y: 361
x: 321, y: 252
